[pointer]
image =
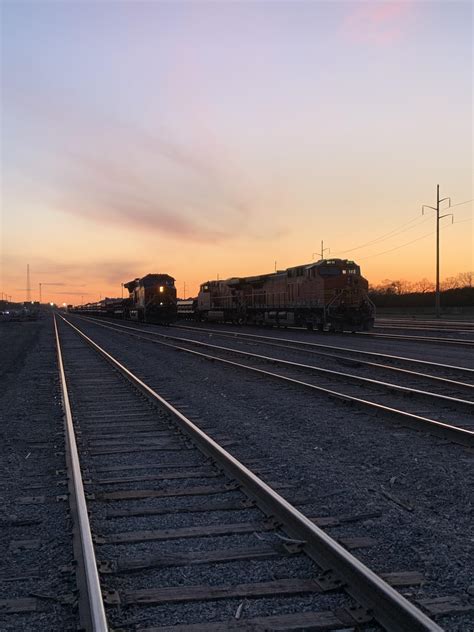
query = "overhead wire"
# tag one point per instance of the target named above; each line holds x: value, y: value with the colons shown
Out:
x: 413, y: 240
x: 392, y: 233
x: 398, y: 231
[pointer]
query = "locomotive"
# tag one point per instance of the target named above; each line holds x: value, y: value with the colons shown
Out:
x: 152, y: 299
x: 329, y: 294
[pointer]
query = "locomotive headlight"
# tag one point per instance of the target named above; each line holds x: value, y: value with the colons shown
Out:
x: 162, y: 289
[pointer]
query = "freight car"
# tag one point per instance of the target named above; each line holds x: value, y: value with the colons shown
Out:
x: 330, y: 294
x: 186, y: 308
x: 113, y: 307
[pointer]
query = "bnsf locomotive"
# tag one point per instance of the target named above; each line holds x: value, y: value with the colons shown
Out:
x: 329, y: 294
x: 152, y: 299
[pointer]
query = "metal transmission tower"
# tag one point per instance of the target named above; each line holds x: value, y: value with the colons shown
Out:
x: 323, y: 250
x: 438, y: 217
x: 28, y: 285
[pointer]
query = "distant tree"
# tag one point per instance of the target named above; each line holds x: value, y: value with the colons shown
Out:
x: 423, y: 286
x: 387, y: 286
x: 465, y: 279
x: 450, y: 283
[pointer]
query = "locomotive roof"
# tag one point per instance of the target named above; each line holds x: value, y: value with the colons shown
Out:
x: 259, y: 277
x: 148, y: 280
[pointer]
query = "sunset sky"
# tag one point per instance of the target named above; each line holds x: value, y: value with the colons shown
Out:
x: 205, y: 138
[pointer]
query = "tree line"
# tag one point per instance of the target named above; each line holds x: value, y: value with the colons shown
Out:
x: 456, y: 291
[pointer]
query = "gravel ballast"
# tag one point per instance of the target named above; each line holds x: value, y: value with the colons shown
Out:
x: 35, y: 536
x: 346, y: 460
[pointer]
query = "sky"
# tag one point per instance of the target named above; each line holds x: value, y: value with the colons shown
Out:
x: 223, y: 138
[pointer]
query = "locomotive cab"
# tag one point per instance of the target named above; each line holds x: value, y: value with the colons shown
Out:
x: 347, y: 303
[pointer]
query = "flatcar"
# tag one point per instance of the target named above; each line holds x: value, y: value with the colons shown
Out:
x: 113, y: 307
x: 329, y: 294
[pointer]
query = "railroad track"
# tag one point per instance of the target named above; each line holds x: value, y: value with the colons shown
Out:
x: 447, y: 430
x: 458, y: 342
x: 384, y: 360
x: 421, y: 327
x: 36, y: 586
x: 163, y: 496
x: 427, y: 325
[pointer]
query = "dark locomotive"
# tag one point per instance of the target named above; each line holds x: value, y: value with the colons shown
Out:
x: 329, y: 294
x: 152, y: 299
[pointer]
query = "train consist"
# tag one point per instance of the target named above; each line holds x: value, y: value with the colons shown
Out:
x: 329, y: 294
x: 152, y: 299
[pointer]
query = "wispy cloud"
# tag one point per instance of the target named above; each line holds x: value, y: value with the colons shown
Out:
x: 116, y: 172
x: 73, y: 272
x: 377, y: 22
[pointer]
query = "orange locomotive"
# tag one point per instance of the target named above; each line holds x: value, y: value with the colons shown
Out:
x: 329, y: 294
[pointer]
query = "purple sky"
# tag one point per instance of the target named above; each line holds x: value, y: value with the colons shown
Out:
x: 198, y: 138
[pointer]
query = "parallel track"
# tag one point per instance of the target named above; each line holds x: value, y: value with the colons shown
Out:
x: 334, y: 351
x: 376, y: 600
x: 421, y: 327
x: 447, y: 431
x: 459, y: 342
x: 425, y: 325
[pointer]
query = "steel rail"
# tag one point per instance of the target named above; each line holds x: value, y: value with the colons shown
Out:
x: 449, y: 341
x: 419, y: 327
x: 337, y: 348
x: 431, y: 339
x: 299, y: 365
x: 91, y: 605
x: 421, y: 321
x: 388, y: 606
x: 377, y: 365
x: 447, y: 431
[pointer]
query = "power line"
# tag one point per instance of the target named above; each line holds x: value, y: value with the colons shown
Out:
x: 396, y: 231
x: 403, y: 228
x: 461, y: 203
x: 396, y: 247
x: 412, y: 241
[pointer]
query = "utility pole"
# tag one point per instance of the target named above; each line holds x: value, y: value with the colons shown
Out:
x: 438, y: 217
x: 275, y: 266
x: 28, y: 286
x: 323, y: 250
x: 184, y: 289
x: 41, y: 288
